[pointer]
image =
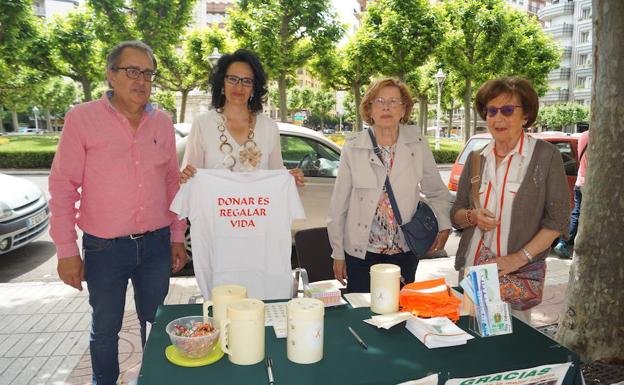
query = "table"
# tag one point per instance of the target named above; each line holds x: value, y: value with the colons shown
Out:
x: 393, y: 356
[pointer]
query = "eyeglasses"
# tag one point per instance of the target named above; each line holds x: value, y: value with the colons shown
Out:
x: 234, y: 80
x: 505, y: 110
x: 392, y: 102
x: 134, y: 73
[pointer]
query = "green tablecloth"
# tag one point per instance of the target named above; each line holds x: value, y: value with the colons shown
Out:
x: 393, y: 356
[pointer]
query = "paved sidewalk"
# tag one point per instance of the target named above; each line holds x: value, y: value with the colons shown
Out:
x: 45, y: 326
x: 44, y: 337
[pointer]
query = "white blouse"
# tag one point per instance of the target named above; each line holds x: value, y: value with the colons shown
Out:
x: 497, y: 192
x: 202, y: 146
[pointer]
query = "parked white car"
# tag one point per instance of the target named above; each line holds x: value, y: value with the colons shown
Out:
x: 313, y: 153
x: 23, y: 212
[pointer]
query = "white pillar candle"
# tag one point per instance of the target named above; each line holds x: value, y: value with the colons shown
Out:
x: 305, y: 330
x: 385, y: 284
x: 242, y: 337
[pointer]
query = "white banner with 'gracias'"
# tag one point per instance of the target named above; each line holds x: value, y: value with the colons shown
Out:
x: 552, y: 374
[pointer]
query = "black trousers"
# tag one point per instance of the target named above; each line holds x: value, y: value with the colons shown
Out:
x: 358, y: 270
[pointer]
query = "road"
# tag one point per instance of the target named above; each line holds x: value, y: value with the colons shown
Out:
x: 36, y: 262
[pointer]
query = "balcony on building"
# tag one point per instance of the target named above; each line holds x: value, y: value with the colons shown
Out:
x: 560, y: 30
x: 566, y: 52
x: 559, y: 74
x: 582, y: 93
x: 553, y: 10
x: 555, y: 96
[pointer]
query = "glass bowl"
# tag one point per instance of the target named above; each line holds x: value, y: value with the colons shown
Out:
x: 193, y: 336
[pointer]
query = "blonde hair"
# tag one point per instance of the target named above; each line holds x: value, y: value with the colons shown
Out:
x: 373, y: 89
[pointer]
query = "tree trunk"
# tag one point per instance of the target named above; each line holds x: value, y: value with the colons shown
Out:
x: 1, y: 119
x: 183, y: 106
x: 282, y: 98
x: 593, y: 323
x: 48, y: 120
x: 86, y: 90
x: 357, y: 98
x: 422, y: 114
x: 467, y: 109
x: 450, y: 123
x: 474, y: 121
x: 15, y: 121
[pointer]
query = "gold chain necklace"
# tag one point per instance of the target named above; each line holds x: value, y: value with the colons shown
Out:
x: 249, y: 154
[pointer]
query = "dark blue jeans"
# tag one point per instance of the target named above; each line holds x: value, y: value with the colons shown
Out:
x: 574, y: 217
x: 358, y: 270
x: 108, y: 264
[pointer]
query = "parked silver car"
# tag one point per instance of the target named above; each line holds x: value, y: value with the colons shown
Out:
x: 313, y: 153
x: 23, y: 212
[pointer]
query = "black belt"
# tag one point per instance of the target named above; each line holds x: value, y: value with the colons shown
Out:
x: 135, y: 236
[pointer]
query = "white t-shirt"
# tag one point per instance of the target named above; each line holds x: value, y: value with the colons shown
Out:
x: 240, y: 226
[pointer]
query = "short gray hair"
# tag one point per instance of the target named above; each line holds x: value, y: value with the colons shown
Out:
x: 113, y: 56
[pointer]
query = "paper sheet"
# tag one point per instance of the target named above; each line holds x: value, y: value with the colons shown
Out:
x: 358, y: 299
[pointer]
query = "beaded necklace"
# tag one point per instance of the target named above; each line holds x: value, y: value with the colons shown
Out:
x: 249, y: 154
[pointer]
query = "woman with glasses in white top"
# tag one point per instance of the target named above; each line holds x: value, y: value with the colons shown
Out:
x: 361, y: 224
x: 235, y: 134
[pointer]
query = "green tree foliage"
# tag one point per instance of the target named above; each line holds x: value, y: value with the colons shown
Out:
x: 16, y: 29
x: 166, y: 101
x: 300, y: 98
x: 188, y: 68
x: 558, y: 116
x: 323, y: 103
x: 405, y: 32
x: 158, y: 23
x: 486, y: 39
x: 18, y: 84
x: 70, y: 47
x: 285, y: 34
x: 55, y: 97
x: 349, y: 68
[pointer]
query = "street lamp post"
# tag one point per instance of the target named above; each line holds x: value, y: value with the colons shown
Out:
x: 440, y: 76
x: 214, y: 56
x: 36, y: 111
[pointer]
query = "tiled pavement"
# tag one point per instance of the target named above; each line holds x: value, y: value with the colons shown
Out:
x: 45, y: 326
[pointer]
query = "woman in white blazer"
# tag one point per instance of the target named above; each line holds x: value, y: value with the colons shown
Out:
x: 361, y: 224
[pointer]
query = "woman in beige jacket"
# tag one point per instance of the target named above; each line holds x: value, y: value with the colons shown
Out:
x: 361, y: 225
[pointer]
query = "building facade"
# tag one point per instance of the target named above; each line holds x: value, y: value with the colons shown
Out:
x: 569, y: 22
x: 47, y: 9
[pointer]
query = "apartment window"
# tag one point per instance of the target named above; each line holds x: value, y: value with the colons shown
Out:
x: 584, y: 59
x: 585, y: 13
x: 580, y: 81
x: 585, y: 37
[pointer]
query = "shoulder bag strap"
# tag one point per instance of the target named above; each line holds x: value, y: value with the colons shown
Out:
x: 395, y: 208
x: 475, y: 181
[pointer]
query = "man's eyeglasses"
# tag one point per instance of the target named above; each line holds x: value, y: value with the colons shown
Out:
x: 392, y: 102
x: 505, y: 110
x: 134, y: 73
x: 234, y: 80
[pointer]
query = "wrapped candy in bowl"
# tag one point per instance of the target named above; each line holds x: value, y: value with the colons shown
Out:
x: 194, y: 336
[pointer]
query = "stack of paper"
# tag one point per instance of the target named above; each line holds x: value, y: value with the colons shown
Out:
x: 325, y: 291
x: 387, y: 321
x: 437, y: 332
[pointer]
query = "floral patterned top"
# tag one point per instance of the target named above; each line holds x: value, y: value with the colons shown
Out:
x: 384, y: 235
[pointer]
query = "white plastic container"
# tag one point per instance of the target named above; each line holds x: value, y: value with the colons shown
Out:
x: 385, y: 284
x: 221, y: 297
x: 242, y: 334
x: 304, y: 343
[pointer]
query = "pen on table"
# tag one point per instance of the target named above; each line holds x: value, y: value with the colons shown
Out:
x: 357, y: 338
x: 269, y: 365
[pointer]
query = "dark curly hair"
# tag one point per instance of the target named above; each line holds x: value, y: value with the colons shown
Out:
x: 260, y: 79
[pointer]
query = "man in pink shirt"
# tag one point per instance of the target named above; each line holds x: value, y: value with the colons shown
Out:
x: 117, y: 158
x: 562, y: 249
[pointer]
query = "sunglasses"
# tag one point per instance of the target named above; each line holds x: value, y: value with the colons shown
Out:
x: 507, y: 110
